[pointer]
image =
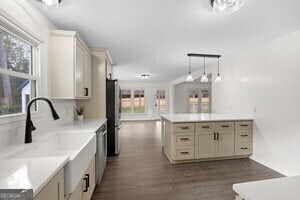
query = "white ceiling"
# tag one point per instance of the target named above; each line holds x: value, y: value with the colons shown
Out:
x: 154, y: 36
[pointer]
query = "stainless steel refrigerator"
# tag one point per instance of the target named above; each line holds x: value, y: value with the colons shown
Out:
x: 113, y: 113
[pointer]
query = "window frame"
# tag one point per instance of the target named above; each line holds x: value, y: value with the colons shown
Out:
x: 166, y: 100
x: 12, y: 26
x: 132, y: 89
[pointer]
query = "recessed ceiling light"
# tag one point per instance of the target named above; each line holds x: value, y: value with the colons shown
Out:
x: 224, y: 7
x: 51, y: 2
x: 145, y: 76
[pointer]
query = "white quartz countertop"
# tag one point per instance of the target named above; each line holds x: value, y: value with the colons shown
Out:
x: 30, y: 173
x: 35, y: 173
x: 286, y: 188
x: 203, y: 117
x: 84, y: 126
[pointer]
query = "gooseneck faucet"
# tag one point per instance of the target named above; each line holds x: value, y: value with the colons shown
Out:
x: 29, y: 125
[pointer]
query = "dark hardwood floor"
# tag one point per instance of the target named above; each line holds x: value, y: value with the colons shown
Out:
x: 142, y: 171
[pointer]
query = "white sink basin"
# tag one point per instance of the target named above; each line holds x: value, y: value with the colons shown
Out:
x: 80, y: 148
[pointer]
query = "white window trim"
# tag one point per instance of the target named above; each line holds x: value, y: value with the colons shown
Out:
x: 132, y: 101
x: 14, y: 27
x: 167, y: 99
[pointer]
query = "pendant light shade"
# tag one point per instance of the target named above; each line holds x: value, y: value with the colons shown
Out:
x: 218, y: 79
x: 225, y: 7
x: 204, y: 78
x: 189, y: 77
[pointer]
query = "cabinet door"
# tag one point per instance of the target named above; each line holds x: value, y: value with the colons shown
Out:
x: 87, y: 79
x: 205, y: 145
x: 79, y: 91
x: 54, y: 190
x: 225, y: 143
x: 89, y: 181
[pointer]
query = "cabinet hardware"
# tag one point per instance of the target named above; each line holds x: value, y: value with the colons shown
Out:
x: 244, y: 125
x: 205, y: 126
x: 244, y: 135
x: 184, y: 127
x: 218, y: 136
x: 244, y: 148
x: 225, y: 126
x: 86, y: 91
x: 184, y: 152
x: 214, y: 135
x: 184, y: 139
x: 87, y: 182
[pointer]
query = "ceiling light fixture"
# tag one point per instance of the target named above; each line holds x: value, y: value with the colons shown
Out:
x: 145, y: 76
x: 218, y: 79
x: 225, y: 7
x: 51, y: 2
x: 204, y: 78
x: 189, y: 77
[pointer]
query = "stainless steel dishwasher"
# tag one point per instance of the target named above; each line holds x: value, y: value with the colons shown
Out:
x: 101, y: 152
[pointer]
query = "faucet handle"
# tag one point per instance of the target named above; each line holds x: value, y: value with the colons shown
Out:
x: 32, y: 127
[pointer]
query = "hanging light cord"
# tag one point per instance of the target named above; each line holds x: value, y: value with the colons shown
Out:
x: 204, y: 64
x: 189, y: 64
x: 218, y: 66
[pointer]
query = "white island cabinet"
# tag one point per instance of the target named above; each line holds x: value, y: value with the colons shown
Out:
x: 196, y: 137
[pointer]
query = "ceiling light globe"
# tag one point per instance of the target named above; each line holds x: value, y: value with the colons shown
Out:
x: 224, y: 7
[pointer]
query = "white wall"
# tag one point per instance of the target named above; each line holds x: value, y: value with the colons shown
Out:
x: 12, y: 129
x: 150, y: 89
x: 265, y: 82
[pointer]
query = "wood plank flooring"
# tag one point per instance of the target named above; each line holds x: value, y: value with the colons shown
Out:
x: 142, y: 171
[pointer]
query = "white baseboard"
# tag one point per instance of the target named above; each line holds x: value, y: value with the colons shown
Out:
x: 272, y: 166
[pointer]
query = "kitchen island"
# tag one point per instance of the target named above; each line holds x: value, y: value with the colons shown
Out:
x: 200, y: 137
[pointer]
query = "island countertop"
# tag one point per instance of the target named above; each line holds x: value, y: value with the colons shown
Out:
x: 275, y: 189
x: 203, y: 117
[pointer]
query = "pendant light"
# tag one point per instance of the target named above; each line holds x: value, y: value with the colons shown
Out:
x: 189, y: 77
x: 204, y: 78
x: 218, y: 79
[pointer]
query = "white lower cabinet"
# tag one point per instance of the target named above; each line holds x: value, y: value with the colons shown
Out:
x: 207, y: 140
x: 85, y: 188
x: 54, y: 190
x: 205, y: 145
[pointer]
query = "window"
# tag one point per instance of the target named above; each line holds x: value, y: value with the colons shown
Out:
x: 139, y: 101
x: 133, y: 101
x: 17, y: 75
x: 125, y: 101
x: 160, y: 101
x: 193, y: 102
x: 205, y: 107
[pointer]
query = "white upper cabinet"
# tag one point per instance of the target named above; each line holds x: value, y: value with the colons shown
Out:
x: 71, y: 66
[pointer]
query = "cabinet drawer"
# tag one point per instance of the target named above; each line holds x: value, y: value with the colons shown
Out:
x: 204, y: 127
x: 244, y: 135
x: 184, y: 127
x: 244, y: 148
x: 244, y: 125
x: 224, y: 126
x: 184, y: 139
x: 184, y: 153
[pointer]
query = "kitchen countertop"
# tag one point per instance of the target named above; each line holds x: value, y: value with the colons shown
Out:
x: 30, y: 173
x: 275, y: 189
x: 175, y: 118
x: 84, y: 126
x: 35, y: 173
